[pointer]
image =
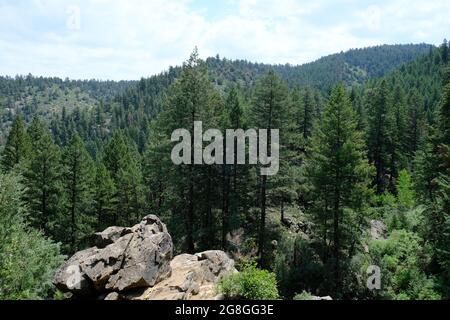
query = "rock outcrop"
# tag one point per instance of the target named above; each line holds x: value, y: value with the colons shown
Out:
x: 378, y: 230
x: 136, y: 263
x: 194, y: 277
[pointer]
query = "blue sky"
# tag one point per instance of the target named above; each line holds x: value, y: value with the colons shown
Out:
x: 129, y: 39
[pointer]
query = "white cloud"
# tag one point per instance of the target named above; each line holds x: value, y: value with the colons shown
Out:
x: 127, y: 39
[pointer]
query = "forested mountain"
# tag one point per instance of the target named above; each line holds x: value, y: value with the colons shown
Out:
x: 38, y: 96
x: 350, y: 67
x: 363, y: 179
x: 52, y: 97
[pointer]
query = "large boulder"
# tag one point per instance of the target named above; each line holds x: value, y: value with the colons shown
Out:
x: 194, y: 277
x: 123, y: 259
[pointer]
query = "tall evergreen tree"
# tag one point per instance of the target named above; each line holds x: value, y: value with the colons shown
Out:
x: 43, y: 182
x: 397, y: 148
x: 269, y: 110
x: 444, y: 51
x: 416, y: 123
x: 378, y: 137
x: 308, y: 111
x: 104, y: 192
x: 338, y: 173
x: 77, y: 187
x: 36, y: 130
x: 17, y: 146
x: 192, y: 98
x: 123, y: 163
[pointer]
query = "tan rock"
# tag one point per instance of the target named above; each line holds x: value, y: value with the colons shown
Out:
x: 194, y: 277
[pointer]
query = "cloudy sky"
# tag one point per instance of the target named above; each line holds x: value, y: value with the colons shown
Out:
x: 128, y: 39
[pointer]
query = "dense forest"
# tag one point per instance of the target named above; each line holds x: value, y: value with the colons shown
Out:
x: 364, y: 142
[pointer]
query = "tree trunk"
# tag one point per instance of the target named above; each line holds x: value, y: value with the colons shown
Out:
x: 224, y: 207
x: 190, y: 215
x: 262, y: 227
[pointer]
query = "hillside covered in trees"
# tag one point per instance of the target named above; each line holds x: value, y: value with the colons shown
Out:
x: 364, y: 176
x: 51, y: 97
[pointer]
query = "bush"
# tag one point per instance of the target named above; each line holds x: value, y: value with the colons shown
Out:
x: 401, y: 259
x: 304, y: 296
x: 250, y: 284
x: 28, y: 260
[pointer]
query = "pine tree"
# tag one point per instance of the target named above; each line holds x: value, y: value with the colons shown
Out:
x: 77, y: 183
x: 17, y: 146
x: 444, y: 51
x: 307, y: 111
x: 269, y: 110
x: 445, y: 115
x: 378, y: 137
x: 36, y: 130
x: 192, y: 98
x: 121, y: 159
x: 441, y: 218
x: 338, y: 174
x: 129, y: 189
x: 155, y: 168
x: 416, y: 123
x: 104, y: 192
x: 42, y: 179
x: 397, y: 148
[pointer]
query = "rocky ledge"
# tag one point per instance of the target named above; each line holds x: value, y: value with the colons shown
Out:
x: 138, y: 263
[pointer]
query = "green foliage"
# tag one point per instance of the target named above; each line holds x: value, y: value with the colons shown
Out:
x: 104, y: 196
x: 401, y: 258
x: 77, y: 174
x: 297, y: 266
x: 123, y: 163
x: 250, y: 284
x: 303, y: 296
x: 338, y: 173
x: 269, y: 110
x: 42, y: 178
x: 28, y: 259
x: 324, y: 170
x: 17, y: 146
x: 405, y: 190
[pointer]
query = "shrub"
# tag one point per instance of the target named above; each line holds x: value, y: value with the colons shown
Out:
x: 28, y: 260
x: 304, y: 296
x: 401, y: 258
x: 250, y: 284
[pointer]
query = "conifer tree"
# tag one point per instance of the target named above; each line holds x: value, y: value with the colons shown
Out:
x: 307, y: 110
x: 338, y: 174
x: 378, y: 136
x: 77, y: 187
x: 192, y: 98
x: 104, y: 192
x: 269, y: 110
x: 121, y: 159
x: 36, y: 130
x: 397, y: 148
x: 17, y: 146
x: 416, y: 123
x: 444, y: 51
x: 43, y: 182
